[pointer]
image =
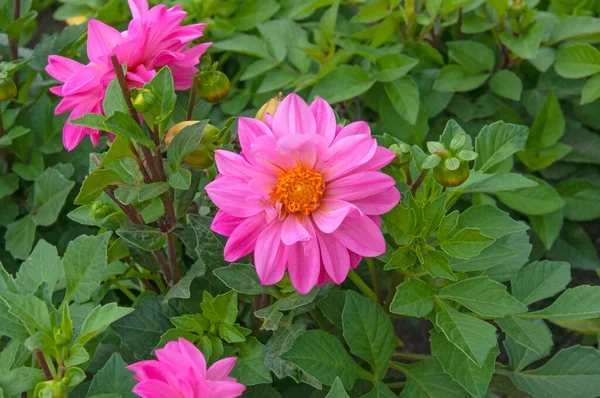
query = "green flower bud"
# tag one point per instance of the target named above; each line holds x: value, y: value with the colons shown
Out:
x: 517, y: 8
x: 451, y: 172
x: 62, y: 337
x: 143, y: 100
x: 8, y: 89
x: 52, y: 389
x: 403, y: 154
x: 203, y: 156
x: 213, y: 86
x: 205, y: 63
x: 100, y: 210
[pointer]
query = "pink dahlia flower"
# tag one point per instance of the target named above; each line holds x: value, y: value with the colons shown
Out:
x: 154, y: 39
x: 304, y: 194
x: 180, y: 372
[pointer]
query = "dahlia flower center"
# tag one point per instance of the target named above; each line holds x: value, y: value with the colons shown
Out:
x: 300, y: 190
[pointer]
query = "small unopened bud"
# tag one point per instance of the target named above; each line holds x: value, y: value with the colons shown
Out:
x: 202, y: 157
x: 213, y: 86
x: 8, y: 88
x: 403, y: 154
x: 52, y: 389
x: 62, y: 337
x: 269, y: 107
x: 452, y: 172
x: 205, y: 63
x: 100, y: 210
x: 144, y: 100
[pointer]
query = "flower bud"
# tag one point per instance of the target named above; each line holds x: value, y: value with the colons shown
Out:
x: 205, y: 63
x: 52, y: 389
x: 100, y: 210
x: 269, y: 107
x: 143, y: 100
x: 451, y: 172
x: 203, y: 156
x: 62, y: 337
x: 403, y: 154
x: 213, y: 86
x: 8, y: 89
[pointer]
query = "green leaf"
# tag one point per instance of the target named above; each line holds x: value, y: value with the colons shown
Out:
x: 244, y: 44
x: 572, y: 373
x: 578, y: 60
x: 182, y: 288
x: 99, y: 319
x: 271, y: 317
x: 143, y: 236
x: 538, y: 200
x: 548, y: 126
x: 498, y: 141
x: 249, y: 368
x: 220, y: 309
x: 257, y: 68
x: 371, y: 13
x: 547, y: 226
x: 575, y: 246
x: 380, y: 390
x: 540, y: 280
x: 113, y: 378
x: 527, y: 45
x: 402, y: 258
x: 447, y: 225
x: 94, y: 185
x: 575, y: 27
x: 261, y: 391
x: 42, y: 266
x: 19, y: 380
x: 437, y: 265
x: 9, y: 183
x: 276, y: 80
x: 151, y: 191
x: 404, y: 96
x: 85, y: 264
x: 242, y: 278
x: 184, y: 144
x: 591, y: 90
x: 472, y: 336
x: 581, y: 302
x: 296, y: 300
x: 30, y: 310
x: 582, y: 199
x: 368, y: 332
x: 181, y: 179
x: 337, y: 390
x: 19, y: 237
x: 427, y: 379
x: 530, y: 334
x: 162, y: 88
x: 393, y: 66
x: 483, y: 296
x: 455, y: 78
x: 413, y: 297
x: 113, y: 99
x: 490, y: 220
x: 50, y: 192
x: 121, y: 124
x: 31, y: 170
x: 141, y: 330
x: 342, y: 83
x: 507, y: 84
x: 126, y: 194
x: 466, y: 243
x: 472, y: 378
x: 92, y: 120
x: 493, y: 183
x: 519, y: 356
x: 332, y: 307
x: 323, y: 356
x: 473, y: 56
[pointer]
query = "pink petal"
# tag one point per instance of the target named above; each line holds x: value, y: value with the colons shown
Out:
x: 266, y: 156
x: 263, y: 184
x: 224, y: 224
x: 354, y: 128
x: 147, y: 370
x: 331, y: 213
x: 359, y: 185
x: 324, y: 118
x: 220, y: 369
x: 382, y: 158
x: 248, y: 131
x: 102, y: 40
x: 380, y: 203
x: 194, y: 358
x: 156, y: 389
x: 306, y: 149
x: 231, y: 194
x: 335, y: 258
x: 232, y: 164
x: 270, y: 254
x: 226, y: 389
x: 138, y: 7
x: 292, y: 230
x: 243, y: 239
x: 62, y: 68
x: 362, y: 236
x: 293, y: 116
x: 347, y: 154
x: 304, y: 262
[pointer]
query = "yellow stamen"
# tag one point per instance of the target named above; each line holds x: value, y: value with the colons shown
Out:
x: 300, y: 190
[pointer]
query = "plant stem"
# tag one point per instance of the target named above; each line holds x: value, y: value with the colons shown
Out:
x: 192, y: 101
x: 414, y: 187
x: 396, y: 385
x: 361, y: 285
x: 410, y: 355
x: 374, y: 280
x: 125, y: 291
x: 14, y: 41
x: 124, y: 87
x: 39, y: 355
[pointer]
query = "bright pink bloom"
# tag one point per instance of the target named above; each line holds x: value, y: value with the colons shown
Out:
x: 154, y: 39
x: 304, y: 194
x: 180, y: 372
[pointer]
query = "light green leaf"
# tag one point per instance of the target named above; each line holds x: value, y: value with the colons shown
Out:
x: 42, y: 266
x: 368, y: 332
x: 498, y: 141
x: 50, y: 192
x: 143, y: 236
x: 162, y: 88
x: 94, y: 185
x: 527, y: 45
x: 547, y: 226
x: 572, y: 373
x: 342, y: 83
x: 244, y: 44
x: 548, y: 126
x: 242, y: 278
x: 447, y: 225
x: 507, y: 84
x: 393, y: 66
x: 276, y: 80
x: 323, y: 356
x: 575, y: 246
x: 337, y: 390
x: 371, y: 13
x: 85, y: 264
x: 91, y: 120
x: 30, y: 310
x: 99, y: 319
x: 220, y: 309
x: 520, y: 356
x: 471, y: 55
x: 493, y: 183
x: 402, y: 258
x: 530, y: 334
x: 490, y: 220
x: 151, y: 191
x: 582, y: 197
x: 591, y: 90
x: 466, y: 243
x: 578, y: 60
x: 271, y: 317
x: 121, y: 124
x: 474, y: 337
x: 181, y: 179
x: 455, y: 78
x: 455, y: 363
x: 404, y: 96
x: 249, y: 367
x: 538, y: 200
x: 113, y: 378
x: 113, y: 99
x: 540, y: 280
x: 581, y: 302
x: 184, y: 143
x: 483, y: 296
x: 437, y: 265
x: 427, y: 379
x: 413, y: 297
x: 575, y: 27
x: 19, y: 380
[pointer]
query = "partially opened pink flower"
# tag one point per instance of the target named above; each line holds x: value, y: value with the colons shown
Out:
x: 304, y: 194
x: 180, y: 372
x: 154, y: 39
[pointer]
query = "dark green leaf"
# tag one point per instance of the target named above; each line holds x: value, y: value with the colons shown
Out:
x: 94, y: 184
x: 473, y: 56
x: 507, y: 84
x: 540, y: 280
x: 490, y: 220
x: 249, y: 368
x: 404, y: 96
x: 456, y: 78
x: 50, y: 192
x: 532, y: 335
x: 466, y: 243
x: 498, y: 141
x: 113, y: 378
x: 427, y: 379
x: 242, y: 278
x: 143, y: 236
x: 527, y: 45
x: 121, y: 124
x: 343, y: 83
x: 581, y: 302
x: 537, y: 200
x: 413, y: 298
x: 337, y: 390
x: 582, y: 199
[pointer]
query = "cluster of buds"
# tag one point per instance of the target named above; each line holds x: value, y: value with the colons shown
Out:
x: 203, y: 156
x: 8, y: 88
x: 211, y: 84
x: 450, y: 165
x: 403, y: 154
x: 143, y: 99
x: 100, y: 210
x: 52, y: 389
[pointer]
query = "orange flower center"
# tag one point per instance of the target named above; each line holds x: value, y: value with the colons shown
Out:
x: 300, y: 190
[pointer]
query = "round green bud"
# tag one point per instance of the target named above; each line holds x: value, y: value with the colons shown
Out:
x: 213, y: 86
